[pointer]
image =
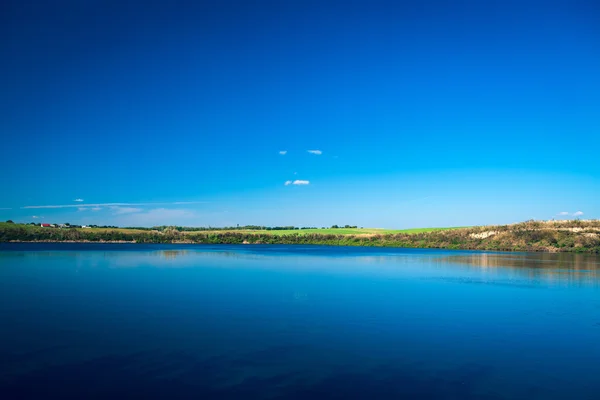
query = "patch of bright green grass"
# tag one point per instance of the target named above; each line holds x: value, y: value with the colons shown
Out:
x: 330, y: 231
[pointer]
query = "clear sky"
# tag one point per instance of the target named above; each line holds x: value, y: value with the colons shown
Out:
x: 420, y: 113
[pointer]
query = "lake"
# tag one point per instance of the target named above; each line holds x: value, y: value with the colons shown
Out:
x: 296, y: 322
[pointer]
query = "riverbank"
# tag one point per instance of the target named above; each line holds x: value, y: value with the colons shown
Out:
x: 537, y: 236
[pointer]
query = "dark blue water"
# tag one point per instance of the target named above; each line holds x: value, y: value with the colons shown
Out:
x: 300, y: 322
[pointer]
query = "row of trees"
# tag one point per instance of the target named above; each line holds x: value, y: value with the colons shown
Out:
x: 202, y: 229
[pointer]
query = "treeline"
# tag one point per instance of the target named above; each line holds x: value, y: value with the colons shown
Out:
x: 198, y: 229
x: 571, y: 236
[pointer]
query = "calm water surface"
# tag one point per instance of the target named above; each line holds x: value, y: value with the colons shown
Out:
x: 296, y: 322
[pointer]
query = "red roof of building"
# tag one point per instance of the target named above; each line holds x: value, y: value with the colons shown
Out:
x: 45, y: 224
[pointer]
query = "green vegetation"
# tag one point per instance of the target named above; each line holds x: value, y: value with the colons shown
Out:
x: 334, y: 231
x: 424, y: 230
x: 35, y: 229
x: 305, y: 231
x: 552, y: 236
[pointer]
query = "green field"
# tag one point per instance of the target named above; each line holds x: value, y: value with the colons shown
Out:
x: 330, y: 231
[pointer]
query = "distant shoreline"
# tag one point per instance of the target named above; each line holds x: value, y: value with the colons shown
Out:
x: 71, y: 241
x: 533, y: 236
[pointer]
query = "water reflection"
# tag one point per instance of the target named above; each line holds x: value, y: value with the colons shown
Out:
x: 527, y: 260
x: 172, y: 254
x: 297, y: 322
x: 538, y: 268
x: 479, y: 267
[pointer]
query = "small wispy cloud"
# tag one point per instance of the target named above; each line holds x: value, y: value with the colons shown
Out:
x: 297, y: 182
x: 34, y: 217
x: 283, y: 152
x: 117, y: 210
x: 567, y: 213
x: 113, y: 204
x: 317, y: 152
x: 78, y: 200
x: 96, y: 208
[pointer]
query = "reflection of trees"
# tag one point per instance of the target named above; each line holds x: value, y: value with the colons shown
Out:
x: 560, y: 267
x: 172, y: 254
x: 191, y: 257
x: 395, y: 258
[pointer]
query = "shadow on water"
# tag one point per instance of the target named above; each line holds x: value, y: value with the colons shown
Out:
x: 255, y: 375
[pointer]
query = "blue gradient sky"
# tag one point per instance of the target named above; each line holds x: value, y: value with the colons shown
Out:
x: 426, y: 113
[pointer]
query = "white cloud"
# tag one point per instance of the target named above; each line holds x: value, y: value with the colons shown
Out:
x: 96, y: 208
x: 34, y: 217
x: 283, y: 152
x: 566, y: 213
x: 112, y: 204
x: 317, y: 152
x: 83, y: 208
x: 124, y: 210
x: 297, y: 182
x: 79, y: 200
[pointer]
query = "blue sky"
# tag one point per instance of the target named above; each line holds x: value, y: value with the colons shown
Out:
x: 424, y: 113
